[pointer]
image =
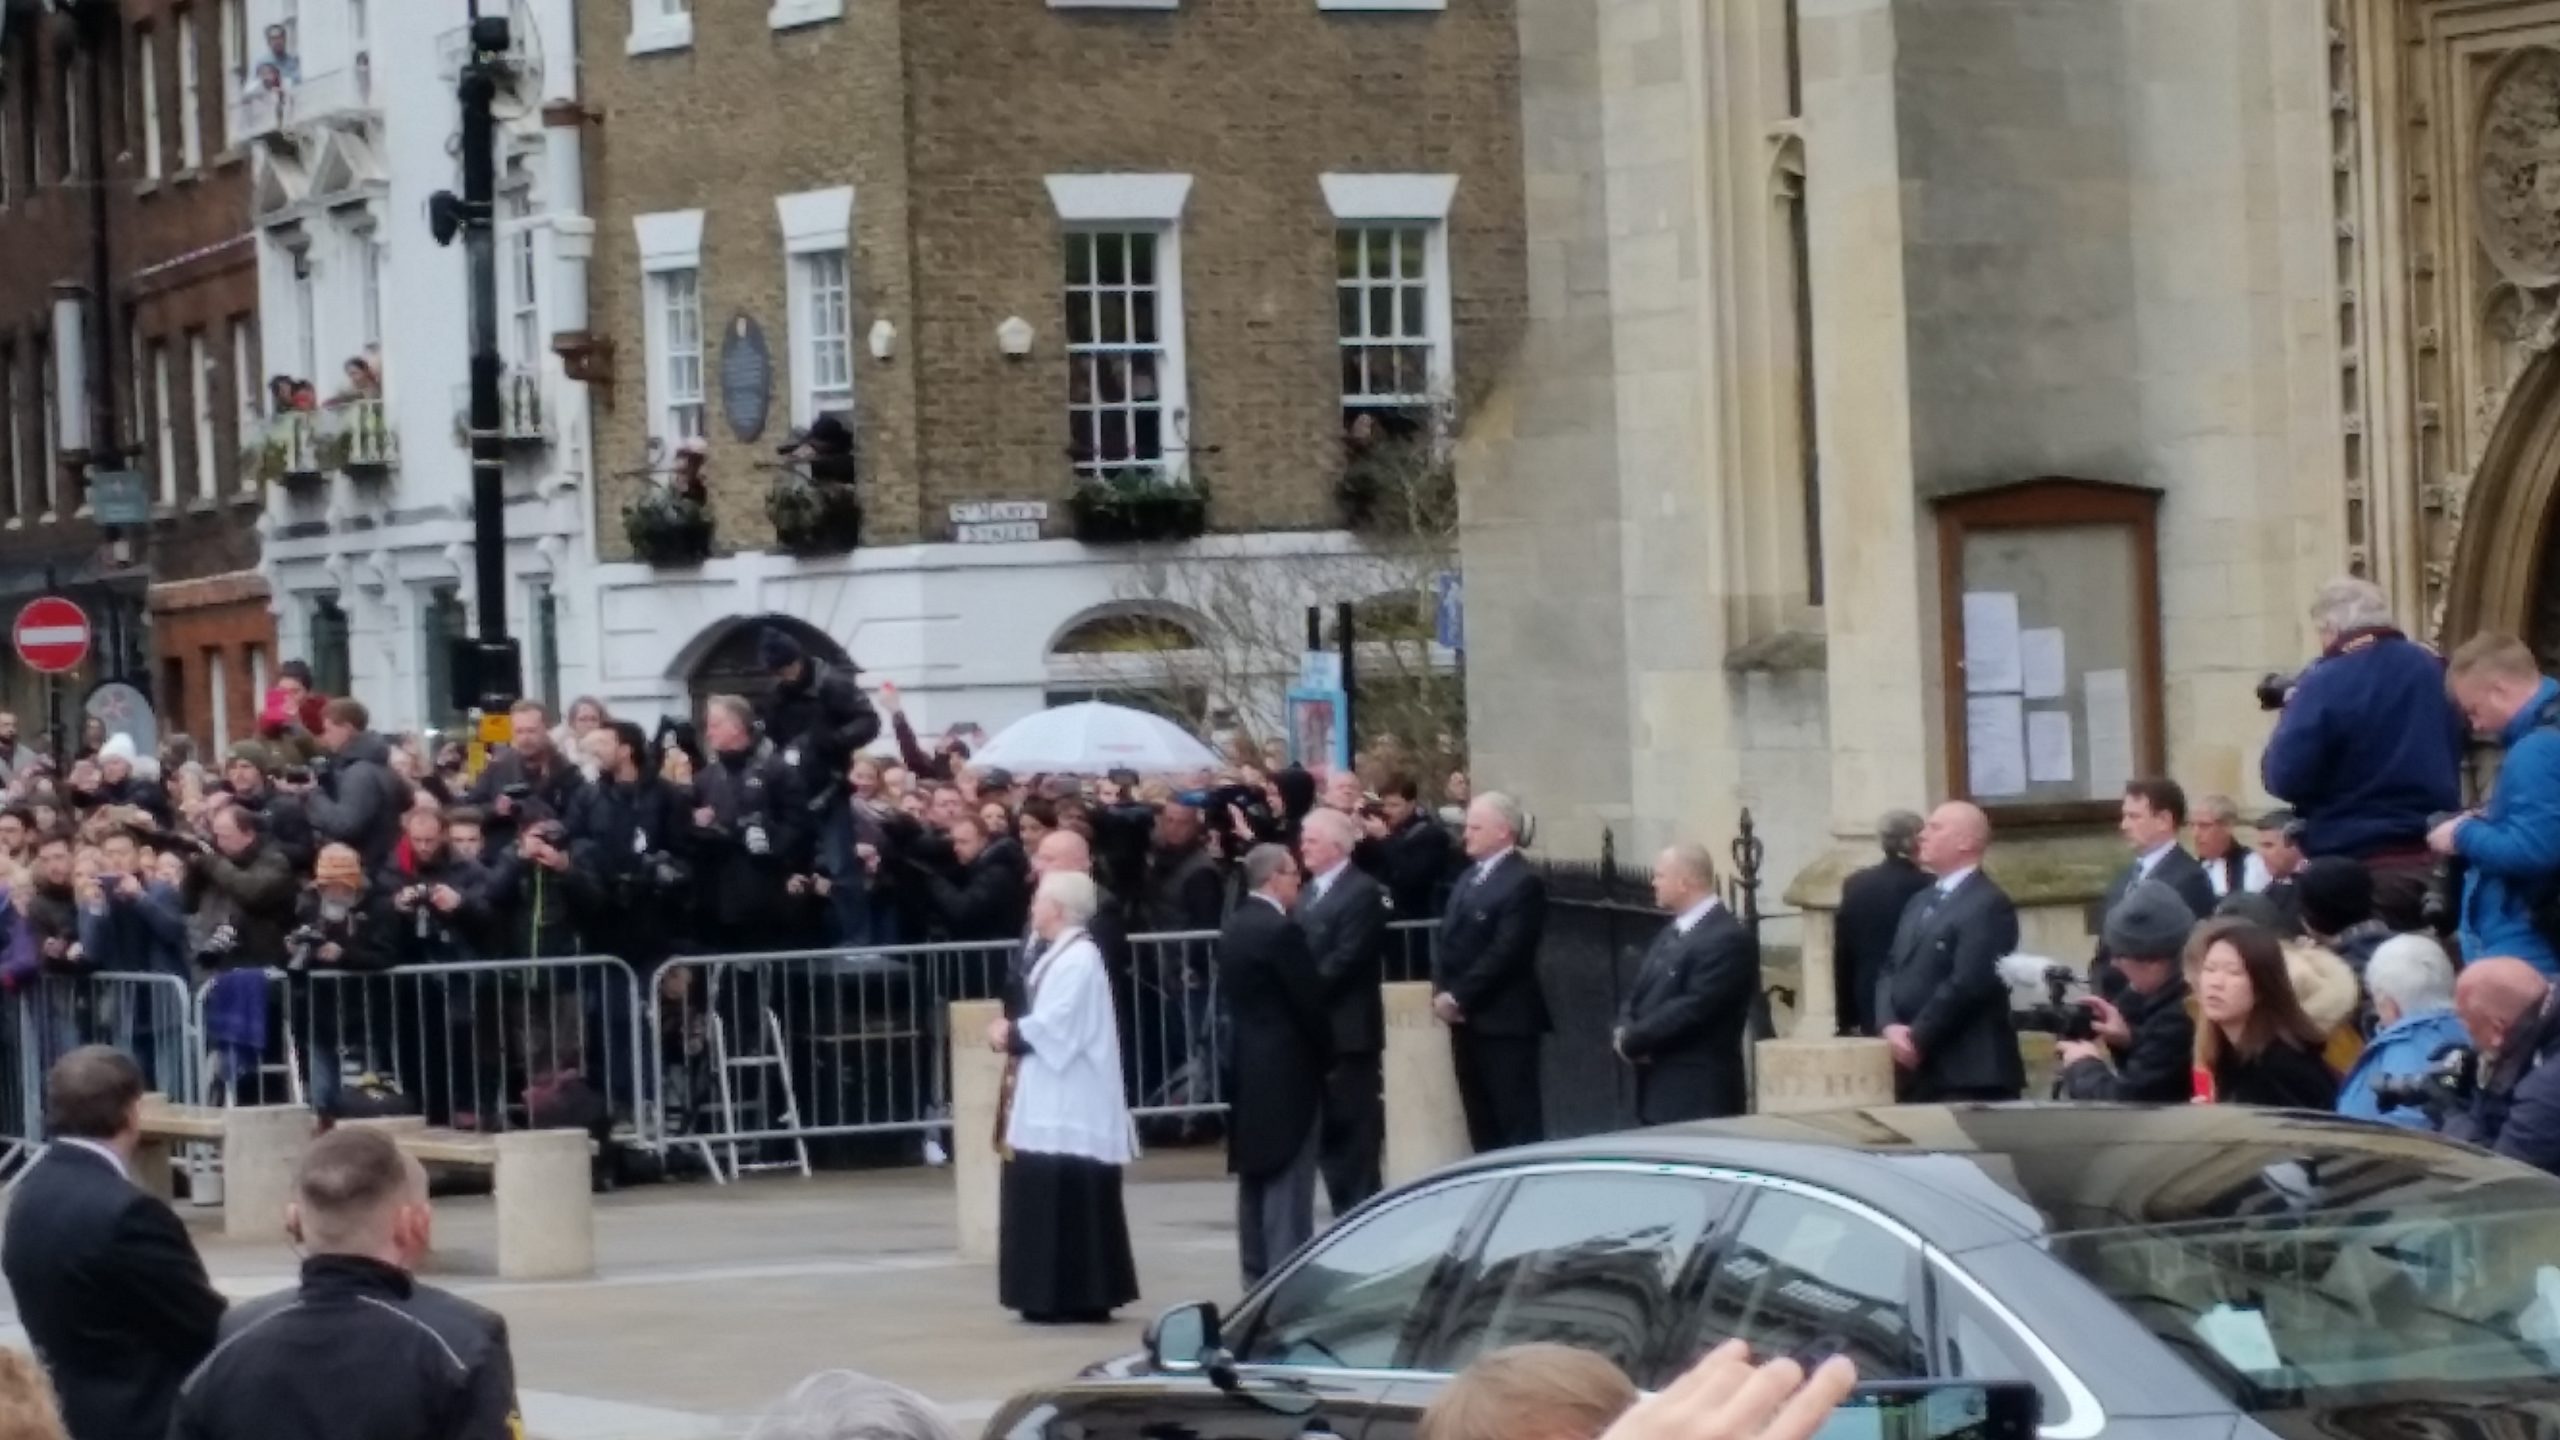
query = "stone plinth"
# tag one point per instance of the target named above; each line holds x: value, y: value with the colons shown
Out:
x: 546, y: 1209
x: 1800, y: 1076
x: 2036, y: 1048
x: 1426, y: 1126
x: 977, y: 1089
x: 262, y: 1149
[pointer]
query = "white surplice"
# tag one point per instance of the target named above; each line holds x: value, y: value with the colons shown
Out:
x: 1068, y: 1097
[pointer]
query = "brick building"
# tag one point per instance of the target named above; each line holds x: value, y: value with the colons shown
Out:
x: 118, y: 176
x: 893, y: 208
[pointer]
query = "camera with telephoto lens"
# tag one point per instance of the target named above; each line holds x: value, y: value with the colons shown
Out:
x: 2275, y: 687
x: 2060, y: 1016
x: 2451, y: 1078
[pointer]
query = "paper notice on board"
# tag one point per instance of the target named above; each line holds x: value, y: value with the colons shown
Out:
x: 2049, y: 747
x: 2107, y: 698
x: 1995, y: 746
x: 2040, y: 664
x: 1990, y: 642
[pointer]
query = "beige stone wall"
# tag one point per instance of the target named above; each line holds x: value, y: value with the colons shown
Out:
x: 744, y: 115
x: 1255, y: 102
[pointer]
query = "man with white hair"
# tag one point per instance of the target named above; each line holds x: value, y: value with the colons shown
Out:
x: 1484, y: 979
x: 1682, y: 1024
x: 2368, y: 747
x: 2411, y: 982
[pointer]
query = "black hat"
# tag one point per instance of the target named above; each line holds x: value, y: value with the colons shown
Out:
x: 2149, y: 923
x: 775, y: 648
x: 998, y: 778
x: 2334, y: 892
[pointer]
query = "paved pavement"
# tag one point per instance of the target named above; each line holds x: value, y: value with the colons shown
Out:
x: 711, y: 1302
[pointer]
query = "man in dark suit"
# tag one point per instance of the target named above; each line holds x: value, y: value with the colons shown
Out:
x: 1943, y: 1006
x: 1682, y: 1024
x: 2153, y: 813
x: 106, y: 1281
x: 1282, y: 1040
x: 1344, y: 913
x: 1871, y: 904
x: 1484, y: 979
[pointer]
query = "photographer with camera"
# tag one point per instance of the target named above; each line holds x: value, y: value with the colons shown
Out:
x: 344, y: 929
x: 436, y: 894
x: 2411, y: 982
x: 2140, y: 1049
x: 2513, y: 1016
x: 1405, y: 849
x: 624, y: 829
x: 529, y: 780
x: 2509, y: 849
x: 2366, y: 747
x: 358, y: 802
x: 745, y: 834
x: 239, y: 894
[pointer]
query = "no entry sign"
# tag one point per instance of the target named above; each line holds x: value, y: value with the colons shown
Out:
x: 52, y: 635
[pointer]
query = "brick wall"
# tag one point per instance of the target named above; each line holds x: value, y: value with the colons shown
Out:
x: 945, y: 115
x: 195, y: 626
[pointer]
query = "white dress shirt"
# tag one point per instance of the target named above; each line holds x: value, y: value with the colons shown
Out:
x: 98, y: 1148
x: 1485, y: 866
x: 2150, y: 859
x: 1321, y: 883
x: 1947, y: 883
x: 1687, y: 920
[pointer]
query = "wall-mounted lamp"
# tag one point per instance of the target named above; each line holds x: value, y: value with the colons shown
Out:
x: 884, y: 340
x: 1014, y: 337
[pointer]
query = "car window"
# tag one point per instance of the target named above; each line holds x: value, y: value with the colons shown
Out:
x: 1590, y: 1260
x: 1802, y: 1276
x: 1348, y: 1305
x: 1981, y: 1346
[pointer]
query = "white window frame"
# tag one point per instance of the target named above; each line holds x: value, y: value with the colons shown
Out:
x: 523, y: 281
x: 1407, y: 201
x: 190, y: 92
x: 658, y: 25
x: 48, y: 479
x: 148, y: 41
x: 817, y: 229
x: 217, y: 689
x: 257, y: 672
x: 248, y: 391
x: 164, y: 434
x: 1129, y: 203
x: 791, y: 14
x: 670, y: 244
x: 233, y: 18
x: 15, y: 381
x: 200, y: 402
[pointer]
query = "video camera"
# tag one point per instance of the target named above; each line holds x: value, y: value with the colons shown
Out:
x: 2061, y: 1016
x: 2451, y: 1079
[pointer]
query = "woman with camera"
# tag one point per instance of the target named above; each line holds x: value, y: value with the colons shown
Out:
x: 2255, y: 1046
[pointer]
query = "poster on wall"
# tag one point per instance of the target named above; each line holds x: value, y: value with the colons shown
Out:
x: 1318, y: 738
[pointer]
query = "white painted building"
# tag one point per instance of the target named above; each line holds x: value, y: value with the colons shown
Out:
x: 368, y: 536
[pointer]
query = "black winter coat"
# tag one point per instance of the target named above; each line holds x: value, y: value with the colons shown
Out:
x: 742, y: 893
x: 2284, y: 1076
x: 359, y: 801
x: 2158, y: 1068
x: 254, y: 895
x: 1283, y: 1041
x: 817, y: 724
x: 990, y: 898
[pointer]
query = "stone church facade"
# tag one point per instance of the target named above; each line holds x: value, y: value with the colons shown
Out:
x: 1804, y: 271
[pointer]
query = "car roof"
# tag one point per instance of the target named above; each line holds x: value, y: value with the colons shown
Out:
x: 1964, y: 1176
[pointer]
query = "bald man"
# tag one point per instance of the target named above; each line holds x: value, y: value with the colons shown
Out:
x: 2508, y: 1006
x: 1682, y: 1024
x: 1942, y: 1005
x: 359, y: 1350
x: 1152, y: 1046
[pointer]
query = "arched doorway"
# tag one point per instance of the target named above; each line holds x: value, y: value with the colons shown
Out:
x: 722, y: 660
x: 1146, y: 656
x: 2505, y: 573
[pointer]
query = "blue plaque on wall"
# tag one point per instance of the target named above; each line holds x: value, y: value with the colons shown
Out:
x: 746, y: 379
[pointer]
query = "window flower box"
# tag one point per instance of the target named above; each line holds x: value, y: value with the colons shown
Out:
x: 813, y: 517
x: 1137, y: 505
x: 667, y: 530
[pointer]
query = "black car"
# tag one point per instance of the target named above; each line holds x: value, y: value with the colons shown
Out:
x: 2188, y: 1271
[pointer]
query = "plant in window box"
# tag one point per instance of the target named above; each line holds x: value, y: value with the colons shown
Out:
x: 669, y: 521
x: 354, y: 435
x: 285, y: 452
x: 1137, y: 503
x: 1397, y: 478
x: 812, y: 501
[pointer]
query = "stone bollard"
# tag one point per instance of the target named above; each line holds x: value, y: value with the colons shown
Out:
x: 1426, y: 1125
x: 546, y: 1205
x: 977, y: 1089
x: 262, y: 1148
x: 1798, y: 1077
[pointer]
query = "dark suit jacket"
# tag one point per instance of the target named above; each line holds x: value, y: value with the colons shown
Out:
x: 1871, y: 904
x: 1944, y: 982
x: 1347, y: 933
x: 1488, y: 954
x: 1683, y: 1020
x: 111, y: 1292
x: 1283, y: 1043
x: 2179, y: 871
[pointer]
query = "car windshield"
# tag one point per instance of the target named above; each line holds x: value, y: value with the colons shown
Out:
x: 2347, y: 1307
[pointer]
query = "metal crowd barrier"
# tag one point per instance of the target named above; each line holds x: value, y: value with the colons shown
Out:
x: 146, y: 1016
x: 484, y: 1045
x: 1410, y: 946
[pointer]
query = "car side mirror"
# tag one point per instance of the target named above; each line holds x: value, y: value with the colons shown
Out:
x: 1182, y: 1339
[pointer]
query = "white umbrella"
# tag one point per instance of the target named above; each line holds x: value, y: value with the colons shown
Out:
x: 1092, y: 738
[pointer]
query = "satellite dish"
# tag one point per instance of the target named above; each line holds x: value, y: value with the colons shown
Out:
x: 519, y: 71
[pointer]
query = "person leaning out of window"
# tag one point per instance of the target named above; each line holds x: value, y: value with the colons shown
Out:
x: 2254, y: 1044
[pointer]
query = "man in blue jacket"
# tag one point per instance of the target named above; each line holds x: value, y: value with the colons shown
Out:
x: 2510, y: 847
x: 2411, y: 982
x: 2367, y: 747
